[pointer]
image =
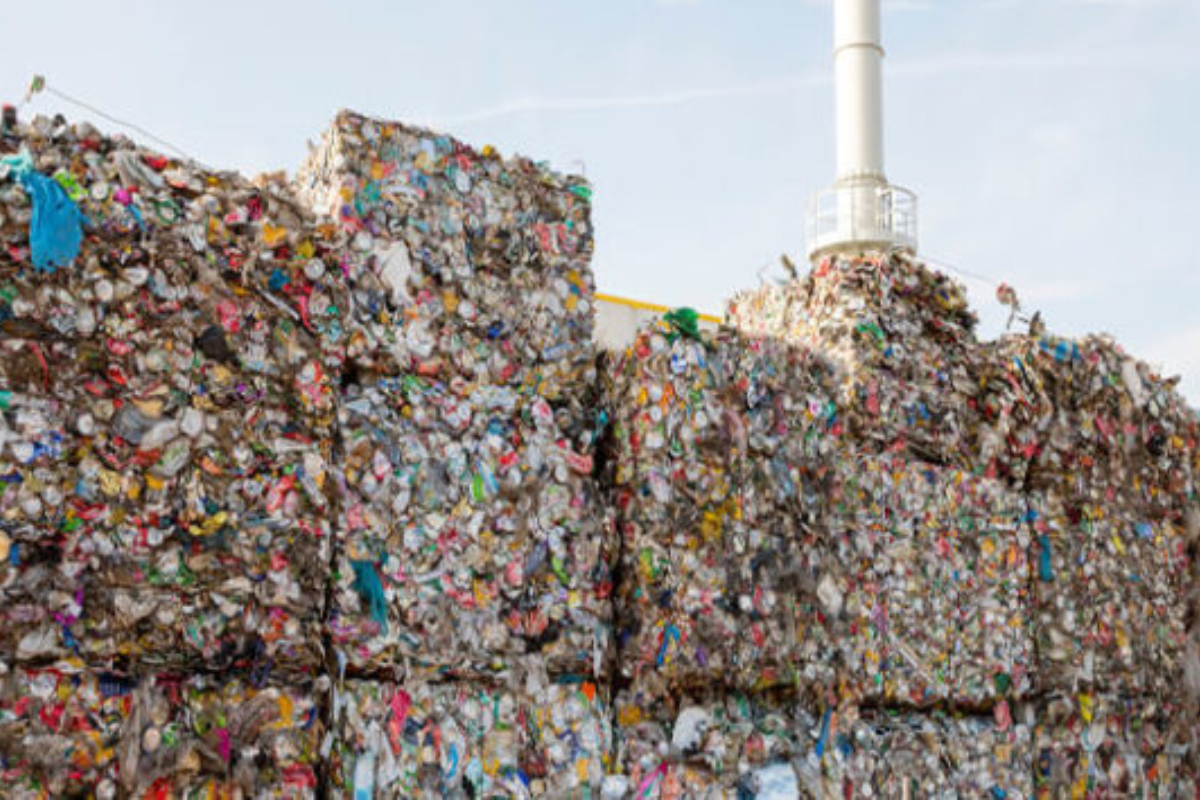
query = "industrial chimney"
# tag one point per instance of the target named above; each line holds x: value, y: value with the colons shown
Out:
x: 861, y: 212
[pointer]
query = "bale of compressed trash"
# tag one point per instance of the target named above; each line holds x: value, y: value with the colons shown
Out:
x: 67, y: 731
x: 470, y: 527
x: 168, y: 412
x: 535, y: 736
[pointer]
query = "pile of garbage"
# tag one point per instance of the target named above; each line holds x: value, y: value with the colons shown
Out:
x: 470, y: 530
x: 67, y: 731
x: 761, y: 547
x: 171, y: 345
x: 773, y: 562
x: 321, y: 488
x: 902, y: 377
x: 994, y: 531
x: 718, y: 451
x: 245, y: 440
x: 534, y: 736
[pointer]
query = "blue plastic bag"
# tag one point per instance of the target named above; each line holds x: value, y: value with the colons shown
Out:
x: 56, y: 230
x: 370, y: 588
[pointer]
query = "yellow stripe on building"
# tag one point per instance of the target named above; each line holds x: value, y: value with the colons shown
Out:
x: 644, y: 306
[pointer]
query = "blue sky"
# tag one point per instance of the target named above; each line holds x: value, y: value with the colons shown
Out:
x: 1055, y: 144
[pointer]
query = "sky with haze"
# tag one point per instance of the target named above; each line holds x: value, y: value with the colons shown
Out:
x: 1055, y: 144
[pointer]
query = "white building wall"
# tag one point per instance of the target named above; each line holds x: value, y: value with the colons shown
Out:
x: 618, y: 320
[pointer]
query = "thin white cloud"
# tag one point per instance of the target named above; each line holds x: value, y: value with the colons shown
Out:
x: 1110, y: 3
x: 948, y: 63
x: 930, y: 66
x: 890, y: 5
x: 1125, y: 3
x: 535, y: 104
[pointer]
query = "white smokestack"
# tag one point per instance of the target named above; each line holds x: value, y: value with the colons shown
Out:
x: 858, y: 67
x: 861, y: 211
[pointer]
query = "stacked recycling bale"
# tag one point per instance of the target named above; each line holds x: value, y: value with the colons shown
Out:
x: 1109, y: 429
x: 926, y: 582
x: 901, y: 335
x: 69, y: 731
x: 471, y: 540
x: 1093, y: 509
x: 1109, y: 451
x: 718, y: 447
x: 472, y: 533
x: 765, y: 547
x: 1134, y: 434
x: 1084, y: 431
x: 1113, y: 509
x: 718, y: 451
x: 712, y: 744
x: 762, y: 548
x: 537, y: 737
x: 171, y: 345
x: 170, y: 407
x: 1115, y: 745
x: 913, y: 376
x: 889, y: 754
x: 486, y: 260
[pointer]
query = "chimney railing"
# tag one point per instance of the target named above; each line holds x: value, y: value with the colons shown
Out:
x: 862, y: 218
